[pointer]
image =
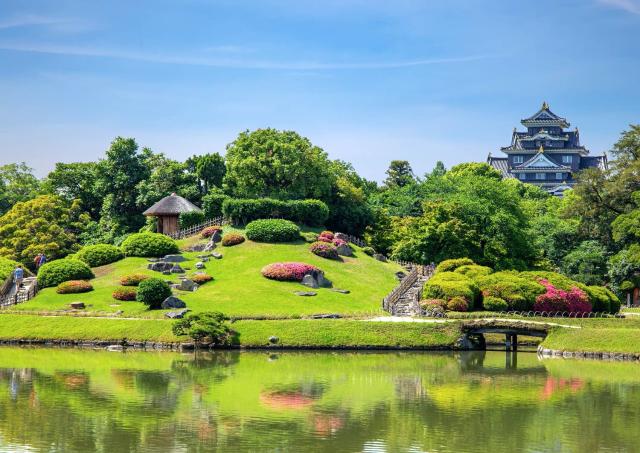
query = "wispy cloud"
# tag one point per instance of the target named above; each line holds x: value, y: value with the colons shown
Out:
x: 630, y: 6
x: 230, y: 62
x: 60, y: 24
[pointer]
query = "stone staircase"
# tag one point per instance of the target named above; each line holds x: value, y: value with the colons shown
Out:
x: 407, y: 304
x: 15, y: 295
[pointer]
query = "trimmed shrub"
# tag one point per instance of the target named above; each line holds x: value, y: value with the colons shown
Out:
x: 309, y: 236
x: 558, y: 280
x: 209, y: 231
x: 74, y: 287
x: 288, y: 271
x: 212, y: 204
x: 133, y: 279
x: 189, y: 219
x: 242, y: 211
x: 447, y: 285
x: 149, y: 244
x: 324, y: 250
x: 55, y: 272
x: 211, y: 325
x: 327, y: 234
x: 492, y: 303
x: 369, y: 251
x: 99, y: 254
x: 473, y: 271
x: 126, y: 294
x: 458, y: 304
x: 452, y: 264
x: 201, y: 279
x: 519, y: 293
x: 152, y: 292
x: 231, y: 239
x: 574, y: 301
x: 272, y: 230
x: 339, y: 242
x: 324, y: 239
x: 430, y: 304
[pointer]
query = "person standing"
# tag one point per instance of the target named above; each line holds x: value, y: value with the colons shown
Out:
x: 43, y: 259
x: 18, y: 276
x: 36, y: 260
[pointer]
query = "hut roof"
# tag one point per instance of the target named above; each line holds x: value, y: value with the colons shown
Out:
x: 171, y: 205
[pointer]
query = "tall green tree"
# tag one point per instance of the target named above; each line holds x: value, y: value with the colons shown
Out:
x: 399, y: 174
x: 210, y: 170
x: 76, y: 181
x: 17, y: 183
x: 166, y: 176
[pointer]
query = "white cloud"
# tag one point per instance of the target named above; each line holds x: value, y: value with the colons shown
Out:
x: 630, y: 6
x: 65, y: 25
x: 228, y: 62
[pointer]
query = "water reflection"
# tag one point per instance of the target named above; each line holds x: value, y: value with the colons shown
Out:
x: 79, y: 401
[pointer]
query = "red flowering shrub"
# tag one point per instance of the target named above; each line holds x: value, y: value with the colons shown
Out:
x: 74, y: 287
x: 126, y: 293
x: 433, y: 304
x: 201, y: 278
x: 324, y: 239
x: 327, y: 234
x: 209, y: 231
x: 132, y: 279
x: 574, y: 301
x: 324, y: 250
x: 458, y: 304
x: 231, y: 239
x: 338, y: 242
x: 289, y: 271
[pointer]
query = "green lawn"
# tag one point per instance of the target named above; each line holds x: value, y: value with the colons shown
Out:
x: 601, y: 339
x: 238, y: 288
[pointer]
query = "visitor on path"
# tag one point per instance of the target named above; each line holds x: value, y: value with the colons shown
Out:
x: 43, y: 259
x: 36, y: 260
x: 18, y: 276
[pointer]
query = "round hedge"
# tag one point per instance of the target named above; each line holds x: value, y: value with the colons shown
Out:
x: 324, y: 250
x: 272, y: 230
x: 55, y: 272
x: 74, y: 287
x: 287, y: 272
x: 149, y: 244
x: 201, y: 279
x: 231, y: 239
x: 99, y: 254
x: 132, y: 279
x: 492, y: 303
x: 152, y: 292
x: 127, y: 294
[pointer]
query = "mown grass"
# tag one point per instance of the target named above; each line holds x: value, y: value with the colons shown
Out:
x: 600, y: 339
x: 238, y: 288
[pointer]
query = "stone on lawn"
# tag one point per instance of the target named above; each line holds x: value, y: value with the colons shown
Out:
x: 159, y: 266
x: 216, y: 255
x: 173, y: 302
x: 316, y: 279
x: 273, y: 339
x: 305, y: 293
x: 187, y: 285
x: 341, y: 291
x: 309, y: 281
x: 210, y: 246
x: 174, y: 258
x: 177, y: 314
x: 380, y: 257
x: 166, y: 272
x: 216, y: 236
x: 200, y: 265
x: 341, y: 236
x: 198, y: 247
x: 344, y: 250
x: 400, y: 275
x: 176, y: 269
x: 77, y: 305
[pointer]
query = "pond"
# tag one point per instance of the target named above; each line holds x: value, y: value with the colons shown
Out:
x: 65, y: 400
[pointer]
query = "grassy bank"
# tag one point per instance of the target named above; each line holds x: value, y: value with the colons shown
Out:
x: 599, y: 339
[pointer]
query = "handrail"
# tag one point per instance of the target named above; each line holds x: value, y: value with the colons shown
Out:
x: 195, y: 229
x: 6, y: 285
x: 21, y: 296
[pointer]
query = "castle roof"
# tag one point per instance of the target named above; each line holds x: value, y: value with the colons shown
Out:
x: 544, y: 117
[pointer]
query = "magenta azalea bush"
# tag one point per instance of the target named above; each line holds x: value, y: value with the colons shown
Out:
x: 338, y: 242
x: 288, y: 271
x: 326, y: 234
x: 574, y: 301
x: 324, y: 250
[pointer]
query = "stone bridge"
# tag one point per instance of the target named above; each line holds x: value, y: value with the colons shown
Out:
x: 473, y: 331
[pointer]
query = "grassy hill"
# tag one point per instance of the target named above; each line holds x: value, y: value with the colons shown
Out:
x: 238, y: 288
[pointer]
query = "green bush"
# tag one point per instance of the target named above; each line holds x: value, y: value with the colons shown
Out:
x: 518, y: 292
x: 492, y: 303
x: 99, y: 254
x: 447, y: 285
x: 309, y: 236
x: 369, y: 251
x: 132, y: 279
x: 272, y: 230
x: 152, y: 292
x: 149, y: 244
x: 602, y: 299
x: 474, y: 271
x: 74, y: 287
x: 458, y: 303
x: 242, y: 211
x: 212, y: 204
x: 189, y: 219
x: 55, y: 272
x: 126, y: 294
x: 231, y: 239
x: 206, y: 325
x: 452, y: 264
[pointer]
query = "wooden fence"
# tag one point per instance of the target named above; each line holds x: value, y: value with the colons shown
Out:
x: 195, y: 229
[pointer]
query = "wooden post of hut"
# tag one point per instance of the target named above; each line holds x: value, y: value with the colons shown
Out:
x: 168, y: 212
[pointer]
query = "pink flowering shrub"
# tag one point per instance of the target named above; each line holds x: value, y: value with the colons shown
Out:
x: 324, y: 250
x: 326, y: 234
x: 574, y: 301
x: 288, y: 271
x: 324, y: 239
x: 338, y: 242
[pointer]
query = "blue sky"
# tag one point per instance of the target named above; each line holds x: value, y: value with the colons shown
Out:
x: 369, y: 81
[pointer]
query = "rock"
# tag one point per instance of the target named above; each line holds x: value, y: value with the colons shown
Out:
x: 217, y: 255
x: 216, y: 236
x: 200, y: 265
x: 153, y: 260
x: 341, y: 236
x: 174, y: 258
x: 115, y: 348
x: 119, y: 312
x: 210, y: 246
x: 166, y: 272
x: 273, y: 339
x: 204, y: 260
x: 173, y: 302
x: 341, y: 291
x: 310, y: 281
x: 326, y: 316
x: 177, y: 314
x: 77, y: 305
x: 305, y: 293
x: 198, y: 247
x: 344, y: 250
x: 176, y: 269
x: 187, y: 285
x: 316, y: 279
x: 380, y: 257
x: 160, y: 266
x: 400, y: 275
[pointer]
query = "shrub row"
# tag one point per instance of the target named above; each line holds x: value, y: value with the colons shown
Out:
x: 272, y: 230
x: 55, y: 272
x: 99, y: 254
x: 242, y: 211
x: 192, y: 218
x: 148, y: 245
x: 449, y: 285
x: 288, y: 271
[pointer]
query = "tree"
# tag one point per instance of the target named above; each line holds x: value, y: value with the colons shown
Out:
x: 46, y: 224
x: 17, y: 183
x: 276, y: 164
x: 211, y: 325
x: 210, y: 170
x: 76, y: 181
x: 349, y: 210
x: 166, y: 176
x: 587, y: 263
x: 399, y: 174
x: 473, y: 169
x: 438, y: 171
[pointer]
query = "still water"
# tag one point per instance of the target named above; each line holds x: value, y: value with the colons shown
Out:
x: 54, y: 400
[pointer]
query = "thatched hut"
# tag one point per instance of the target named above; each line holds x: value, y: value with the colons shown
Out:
x: 168, y: 212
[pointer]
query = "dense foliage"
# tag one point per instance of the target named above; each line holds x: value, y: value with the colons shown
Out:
x: 149, y: 245
x: 55, y: 272
x: 74, y: 287
x: 290, y: 271
x: 272, y: 230
x: 324, y: 250
x: 242, y: 211
x: 152, y: 292
x: 126, y: 294
x: 231, y: 239
x: 132, y: 279
x: 7, y: 267
x: 207, y: 325
x: 99, y: 254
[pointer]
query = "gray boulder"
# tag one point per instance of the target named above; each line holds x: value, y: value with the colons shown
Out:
x: 174, y: 258
x: 216, y: 237
x: 173, y: 302
x: 305, y: 293
x: 176, y: 269
x: 341, y: 291
x: 216, y: 255
x: 316, y: 279
x: 200, y: 265
x: 210, y: 246
x: 380, y: 257
x: 310, y: 281
x: 177, y: 314
x: 341, y: 236
x: 198, y: 247
x: 400, y: 275
x: 344, y: 250
x: 160, y: 266
x: 187, y: 285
